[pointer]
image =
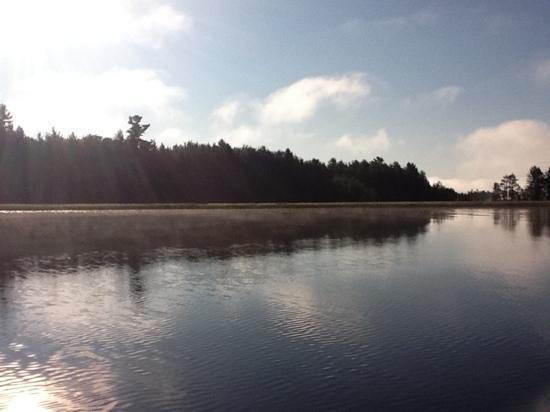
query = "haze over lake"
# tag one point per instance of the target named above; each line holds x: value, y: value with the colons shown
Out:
x: 364, y: 308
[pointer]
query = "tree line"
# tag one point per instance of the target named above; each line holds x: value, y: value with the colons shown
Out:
x: 126, y: 168
x: 537, y: 187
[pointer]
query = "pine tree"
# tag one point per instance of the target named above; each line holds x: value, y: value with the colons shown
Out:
x: 497, y: 193
x: 510, y: 188
x: 136, y: 130
x: 535, y: 184
x: 6, y: 119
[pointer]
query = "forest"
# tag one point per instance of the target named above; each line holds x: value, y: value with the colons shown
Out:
x: 129, y: 169
x: 126, y: 168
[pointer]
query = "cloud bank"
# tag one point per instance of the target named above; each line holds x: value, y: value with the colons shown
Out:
x: 96, y: 103
x: 284, y: 112
x: 300, y: 100
x: 486, y: 154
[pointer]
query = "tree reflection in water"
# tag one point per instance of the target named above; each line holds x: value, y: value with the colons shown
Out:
x: 159, y: 310
x: 131, y: 238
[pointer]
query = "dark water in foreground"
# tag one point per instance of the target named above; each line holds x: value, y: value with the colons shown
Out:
x: 403, y: 309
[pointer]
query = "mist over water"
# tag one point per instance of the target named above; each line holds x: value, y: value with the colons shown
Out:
x: 398, y: 309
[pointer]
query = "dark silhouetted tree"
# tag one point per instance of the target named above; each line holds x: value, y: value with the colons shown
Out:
x: 497, y: 192
x: 136, y: 130
x: 6, y: 119
x: 119, y: 136
x: 510, y: 187
x: 535, y: 184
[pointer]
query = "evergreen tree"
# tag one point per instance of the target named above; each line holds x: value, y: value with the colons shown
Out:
x: 535, y: 184
x: 6, y: 119
x: 497, y: 192
x: 119, y: 136
x: 136, y: 130
x: 510, y: 187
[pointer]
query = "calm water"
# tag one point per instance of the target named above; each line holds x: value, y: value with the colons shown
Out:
x: 399, y: 309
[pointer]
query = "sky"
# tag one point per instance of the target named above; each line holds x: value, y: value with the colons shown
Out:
x: 462, y: 89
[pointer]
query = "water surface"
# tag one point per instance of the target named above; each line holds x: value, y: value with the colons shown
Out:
x: 399, y: 309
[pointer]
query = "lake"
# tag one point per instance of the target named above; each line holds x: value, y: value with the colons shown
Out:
x: 281, y: 309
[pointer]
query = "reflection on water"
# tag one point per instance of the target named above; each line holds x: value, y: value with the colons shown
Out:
x: 276, y: 309
x: 537, y: 218
x: 144, y: 231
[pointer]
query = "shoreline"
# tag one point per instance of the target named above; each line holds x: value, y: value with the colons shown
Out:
x: 188, y: 206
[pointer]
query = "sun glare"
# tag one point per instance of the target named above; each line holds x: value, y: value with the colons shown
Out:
x: 27, y: 402
x: 32, y: 25
x: 37, y: 26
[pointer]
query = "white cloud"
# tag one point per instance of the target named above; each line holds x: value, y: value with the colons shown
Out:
x: 542, y: 71
x: 31, y: 27
x: 364, y: 146
x: 281, y: 116
x: 152, y: 26
x: 246, y: 134
x: 95, y: 102
x: 227, y: 112
x: 300, y: 100
x: 442, y: 97
x: 171, y: 136
x: 446, y: 94
x: 486, y: 154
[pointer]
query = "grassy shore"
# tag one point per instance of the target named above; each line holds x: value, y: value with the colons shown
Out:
x: 183, y: 206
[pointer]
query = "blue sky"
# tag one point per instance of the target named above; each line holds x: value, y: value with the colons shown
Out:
x: 460, y: 88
